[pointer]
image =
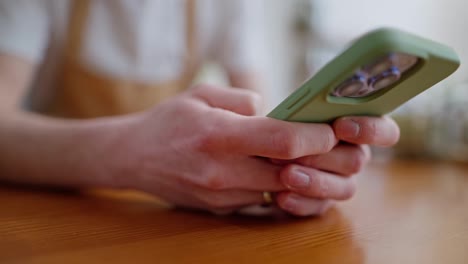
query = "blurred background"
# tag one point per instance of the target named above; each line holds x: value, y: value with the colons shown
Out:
x: 303, y: 35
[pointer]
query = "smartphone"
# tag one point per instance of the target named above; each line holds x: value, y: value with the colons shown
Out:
x: 379, y: 72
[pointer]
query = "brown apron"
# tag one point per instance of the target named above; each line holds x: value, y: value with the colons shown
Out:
x: 81, y: 93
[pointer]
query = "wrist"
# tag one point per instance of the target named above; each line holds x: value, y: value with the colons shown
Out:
x: 116, y: 161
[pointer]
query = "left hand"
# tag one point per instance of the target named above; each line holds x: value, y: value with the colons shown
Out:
x: 314, y: 181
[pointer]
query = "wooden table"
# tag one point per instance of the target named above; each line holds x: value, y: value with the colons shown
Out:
x: 404, y: 212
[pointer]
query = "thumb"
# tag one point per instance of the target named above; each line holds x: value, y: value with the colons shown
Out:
x: 238, y: 100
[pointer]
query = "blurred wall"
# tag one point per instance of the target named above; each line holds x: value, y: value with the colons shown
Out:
x: 337, y: 22
x: 280, y: 54
x: 281, y: 50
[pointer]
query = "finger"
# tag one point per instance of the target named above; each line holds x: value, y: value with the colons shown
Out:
x: 247, y: 173
x: 226, y: 201
x: 301, y: 206
x: 267, y: 137
x: 259, y: 210
x: 240, y: 101
x: 378, y: 131
x: 255, y: 174
x: 344, y: 159
x: 196, y: 197
x: 317, y: 184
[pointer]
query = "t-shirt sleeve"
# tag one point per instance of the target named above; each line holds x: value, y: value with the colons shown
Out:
x: 240, y: 42
x: 24, y: 28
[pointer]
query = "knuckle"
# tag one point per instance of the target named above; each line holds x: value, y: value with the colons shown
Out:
x: 349, y: 190
x: 252, y: 103
x: 200, y: 88
x: 207, y: 136
x: 320, y: 187
x: 177, y: 106
x: 287, y: 143
x: 329, y: 141
x: 357, y: 160
x: 210, y: 179
x: 383, y: 132
x: 214, y: 182
x: 370, y: 132
x: 202, y: 142
x: 323, y: 187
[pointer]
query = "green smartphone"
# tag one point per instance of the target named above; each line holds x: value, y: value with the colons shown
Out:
x: 377, y: 73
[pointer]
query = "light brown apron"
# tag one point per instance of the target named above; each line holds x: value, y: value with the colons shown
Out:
x: 81, y: 93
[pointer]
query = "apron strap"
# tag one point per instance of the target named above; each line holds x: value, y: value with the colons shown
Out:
x: 78, y: 16
x: 191, y: 60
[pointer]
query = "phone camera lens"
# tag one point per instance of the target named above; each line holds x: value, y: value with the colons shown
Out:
x: 405, y: 62
x: 382, y: 65
x: 381, y: 74
x: 402, y: 61
x: 385, y: 79
x: 353, y: 87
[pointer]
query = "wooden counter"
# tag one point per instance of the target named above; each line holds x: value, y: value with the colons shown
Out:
x: 404, y: 212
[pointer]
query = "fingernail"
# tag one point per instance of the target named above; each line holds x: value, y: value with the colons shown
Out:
x: 298, y: 180
x: 349, y: 128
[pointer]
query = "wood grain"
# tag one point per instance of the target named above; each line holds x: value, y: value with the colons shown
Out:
x: 404, y: 212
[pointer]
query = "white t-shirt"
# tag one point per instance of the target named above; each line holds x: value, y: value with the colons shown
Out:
x: 140, y: 40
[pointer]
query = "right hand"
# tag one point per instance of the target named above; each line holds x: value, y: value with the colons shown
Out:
x: 202, y: 148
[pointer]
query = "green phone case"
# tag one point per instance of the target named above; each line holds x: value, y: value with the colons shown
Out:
x: 312, y: 101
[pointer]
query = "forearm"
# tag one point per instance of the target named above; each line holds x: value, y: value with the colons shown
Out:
x: 42, y: 150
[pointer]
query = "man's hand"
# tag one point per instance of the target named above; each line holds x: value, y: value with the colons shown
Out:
x: 202, y: 149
